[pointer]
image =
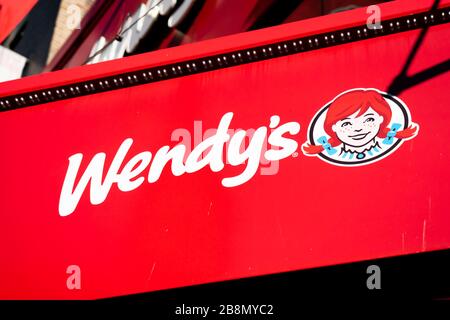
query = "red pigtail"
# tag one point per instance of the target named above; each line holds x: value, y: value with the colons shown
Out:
x: 312, y: 149
x: 409, y: 132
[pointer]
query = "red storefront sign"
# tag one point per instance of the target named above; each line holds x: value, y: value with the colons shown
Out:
x: 344, y: 160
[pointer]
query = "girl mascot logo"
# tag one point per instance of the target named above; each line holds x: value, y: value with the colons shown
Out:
x: 358, y: 127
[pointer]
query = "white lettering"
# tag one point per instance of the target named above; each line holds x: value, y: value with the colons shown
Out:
x: 252, y: 154
x: 208, y: 152
x: 130, y: 171
x: 137, y: 26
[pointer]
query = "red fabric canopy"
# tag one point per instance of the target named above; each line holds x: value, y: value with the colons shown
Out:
x: 130, y: 234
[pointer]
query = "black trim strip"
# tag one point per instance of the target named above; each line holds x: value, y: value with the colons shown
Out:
x: 233, y: 58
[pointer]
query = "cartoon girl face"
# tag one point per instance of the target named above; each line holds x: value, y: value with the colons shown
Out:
x: 358, y: 130
x: 358, y: 127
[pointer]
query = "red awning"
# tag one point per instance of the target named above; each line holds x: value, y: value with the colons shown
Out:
x: 11, y: 13
x: 169, y: 169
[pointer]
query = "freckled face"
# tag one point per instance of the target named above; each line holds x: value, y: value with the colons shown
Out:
x: 358, y: 131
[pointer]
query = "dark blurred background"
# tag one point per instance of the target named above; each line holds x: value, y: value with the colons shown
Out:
x: 47, y: 35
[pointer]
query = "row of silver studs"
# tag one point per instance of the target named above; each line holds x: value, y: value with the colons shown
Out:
x: 226, y: 60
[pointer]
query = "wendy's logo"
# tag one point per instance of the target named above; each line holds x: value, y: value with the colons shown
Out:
x: 358, y: 127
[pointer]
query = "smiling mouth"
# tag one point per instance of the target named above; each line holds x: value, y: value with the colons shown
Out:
x: 359, y: 136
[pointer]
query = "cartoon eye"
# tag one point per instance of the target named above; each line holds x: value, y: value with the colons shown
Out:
x: 369, y: 120
x: 346, y: 123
